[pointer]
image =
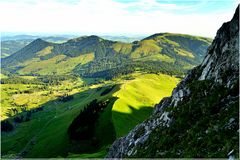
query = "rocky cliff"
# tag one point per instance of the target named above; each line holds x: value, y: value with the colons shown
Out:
x: 200, y: 119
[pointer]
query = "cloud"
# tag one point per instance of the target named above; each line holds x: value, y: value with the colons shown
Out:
x: 109, y: 17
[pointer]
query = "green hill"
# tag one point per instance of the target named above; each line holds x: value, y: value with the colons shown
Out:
x: 44, y: 134
x: 10, y: 45
x: 44, y: 106
x: 92, y: 56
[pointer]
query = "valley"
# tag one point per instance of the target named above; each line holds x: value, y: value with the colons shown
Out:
x: 119, y: 79
x: 73, y: 99
x: 78, y: 98
x: 39, y: 135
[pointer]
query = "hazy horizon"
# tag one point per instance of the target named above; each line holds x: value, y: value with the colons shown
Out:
x: 115, y: 17
x: 12, y: 34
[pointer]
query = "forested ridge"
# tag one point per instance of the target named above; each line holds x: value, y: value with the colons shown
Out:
x: 92, y: 56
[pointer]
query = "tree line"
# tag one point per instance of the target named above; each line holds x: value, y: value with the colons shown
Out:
x: 82, y: 127
x: 95, y: 71
x: 7, y: 125
x: 41, y: 79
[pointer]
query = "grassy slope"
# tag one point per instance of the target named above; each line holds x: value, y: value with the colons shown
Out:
x: 9, y: 97
x: 146, y: 47
x: 48, y: 128
x: 59, y: 64
x: 10, y: 94
x: 100, y: 154
x: 138, y: 96
x: 2, y: 76
x: 131, y: 108
x: 45, y: 135
x: 55, y: 134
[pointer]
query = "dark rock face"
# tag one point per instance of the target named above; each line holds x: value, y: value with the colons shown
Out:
x: 223, y: 54
x: 200, y: 119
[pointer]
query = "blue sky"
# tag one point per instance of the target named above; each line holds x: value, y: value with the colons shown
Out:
x: 115, y: 17
x: 213, y: 4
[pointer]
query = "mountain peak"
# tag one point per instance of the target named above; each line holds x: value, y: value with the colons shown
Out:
x: 26, y: 53
x: 154, y: 35
x: 86, y: 38
x: 37, y: 43
x: 94, y: 37
x: 39, y: 40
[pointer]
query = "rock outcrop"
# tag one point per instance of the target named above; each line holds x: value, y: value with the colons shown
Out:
x: 200, y: 119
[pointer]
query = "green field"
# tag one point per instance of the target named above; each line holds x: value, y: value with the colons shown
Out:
x: 137, y: 97
x: 132, y: 98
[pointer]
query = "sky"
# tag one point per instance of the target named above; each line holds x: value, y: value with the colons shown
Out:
x: 115, y: 17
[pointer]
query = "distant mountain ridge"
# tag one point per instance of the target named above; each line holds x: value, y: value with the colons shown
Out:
x: 33, y: 37
x: 9, y: 47
x: 92, y: 55
x: 12, y: 44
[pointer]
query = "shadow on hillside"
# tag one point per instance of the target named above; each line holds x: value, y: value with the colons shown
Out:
x: 55, y: 119
x: 107, y: 131
x: 124, y: 122
x: 52, y: 112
